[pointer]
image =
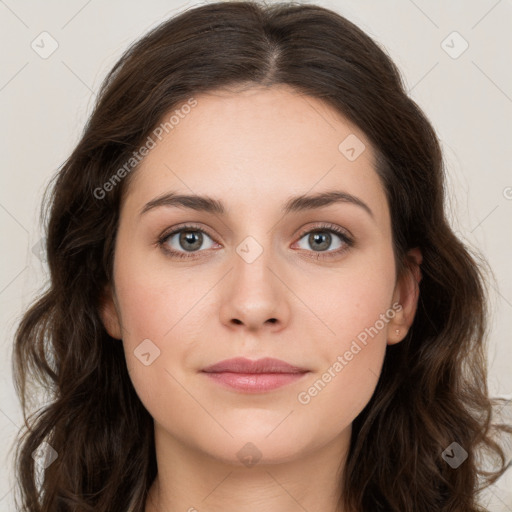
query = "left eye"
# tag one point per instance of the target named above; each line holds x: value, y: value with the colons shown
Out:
x: 321, y: 240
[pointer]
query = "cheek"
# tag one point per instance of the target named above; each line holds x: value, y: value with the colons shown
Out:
x: 336, y: 394
x: 355, y: 301
x: 154, y: 314
x: 148, y: 313
x: 153, y: 301
x: 332, y: 399
x: 357, y: 310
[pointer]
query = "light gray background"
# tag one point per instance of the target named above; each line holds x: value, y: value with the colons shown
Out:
x: 45, y: 102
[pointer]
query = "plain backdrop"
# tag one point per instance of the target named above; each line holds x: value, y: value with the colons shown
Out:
x: 455, y: 58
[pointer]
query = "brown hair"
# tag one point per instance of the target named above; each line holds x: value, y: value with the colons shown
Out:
x: 433, y: 387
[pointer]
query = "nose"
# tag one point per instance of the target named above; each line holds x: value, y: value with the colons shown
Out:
x: 254, y: 296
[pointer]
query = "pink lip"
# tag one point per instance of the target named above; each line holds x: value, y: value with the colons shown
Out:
x: 254, y: 376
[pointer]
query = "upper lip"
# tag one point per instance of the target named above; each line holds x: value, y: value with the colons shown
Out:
x: 243, y: 365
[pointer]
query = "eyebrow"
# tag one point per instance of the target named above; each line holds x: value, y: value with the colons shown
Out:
x: 294, y: 204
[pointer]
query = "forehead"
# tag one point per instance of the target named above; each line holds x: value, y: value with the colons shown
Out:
x: 255, y: 146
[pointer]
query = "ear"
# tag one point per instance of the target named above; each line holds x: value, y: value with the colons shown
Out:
x: 109, y: 313
x: 406, y: 294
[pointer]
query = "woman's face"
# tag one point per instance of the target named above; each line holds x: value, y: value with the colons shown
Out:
x: 254, y: 280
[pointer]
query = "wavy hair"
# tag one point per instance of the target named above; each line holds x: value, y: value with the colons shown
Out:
x: 433, y: 387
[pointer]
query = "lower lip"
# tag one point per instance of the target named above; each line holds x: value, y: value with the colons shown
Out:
x: 255, y: 382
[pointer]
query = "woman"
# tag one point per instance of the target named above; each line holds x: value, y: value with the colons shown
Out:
x: 203, y: 352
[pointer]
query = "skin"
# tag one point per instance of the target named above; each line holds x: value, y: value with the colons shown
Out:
x: 253, y: 149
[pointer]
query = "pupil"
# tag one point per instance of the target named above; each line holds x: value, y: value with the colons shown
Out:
x: 319, y: 237
x: 188, y: 237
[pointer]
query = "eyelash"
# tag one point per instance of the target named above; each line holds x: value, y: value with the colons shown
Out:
x: 349, y: 242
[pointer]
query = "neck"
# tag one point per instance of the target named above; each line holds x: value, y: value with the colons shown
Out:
x: 189, y: 480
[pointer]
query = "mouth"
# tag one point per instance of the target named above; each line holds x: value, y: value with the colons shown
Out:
x: 258, y: 376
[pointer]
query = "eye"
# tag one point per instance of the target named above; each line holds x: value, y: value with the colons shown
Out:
x: 186, y: 239
x: 320, y: 239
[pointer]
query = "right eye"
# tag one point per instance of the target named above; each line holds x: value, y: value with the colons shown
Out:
x: 190, y: 240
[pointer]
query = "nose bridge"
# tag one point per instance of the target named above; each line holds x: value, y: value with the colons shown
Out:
x: 256, y: 249
x: 253, y: 265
